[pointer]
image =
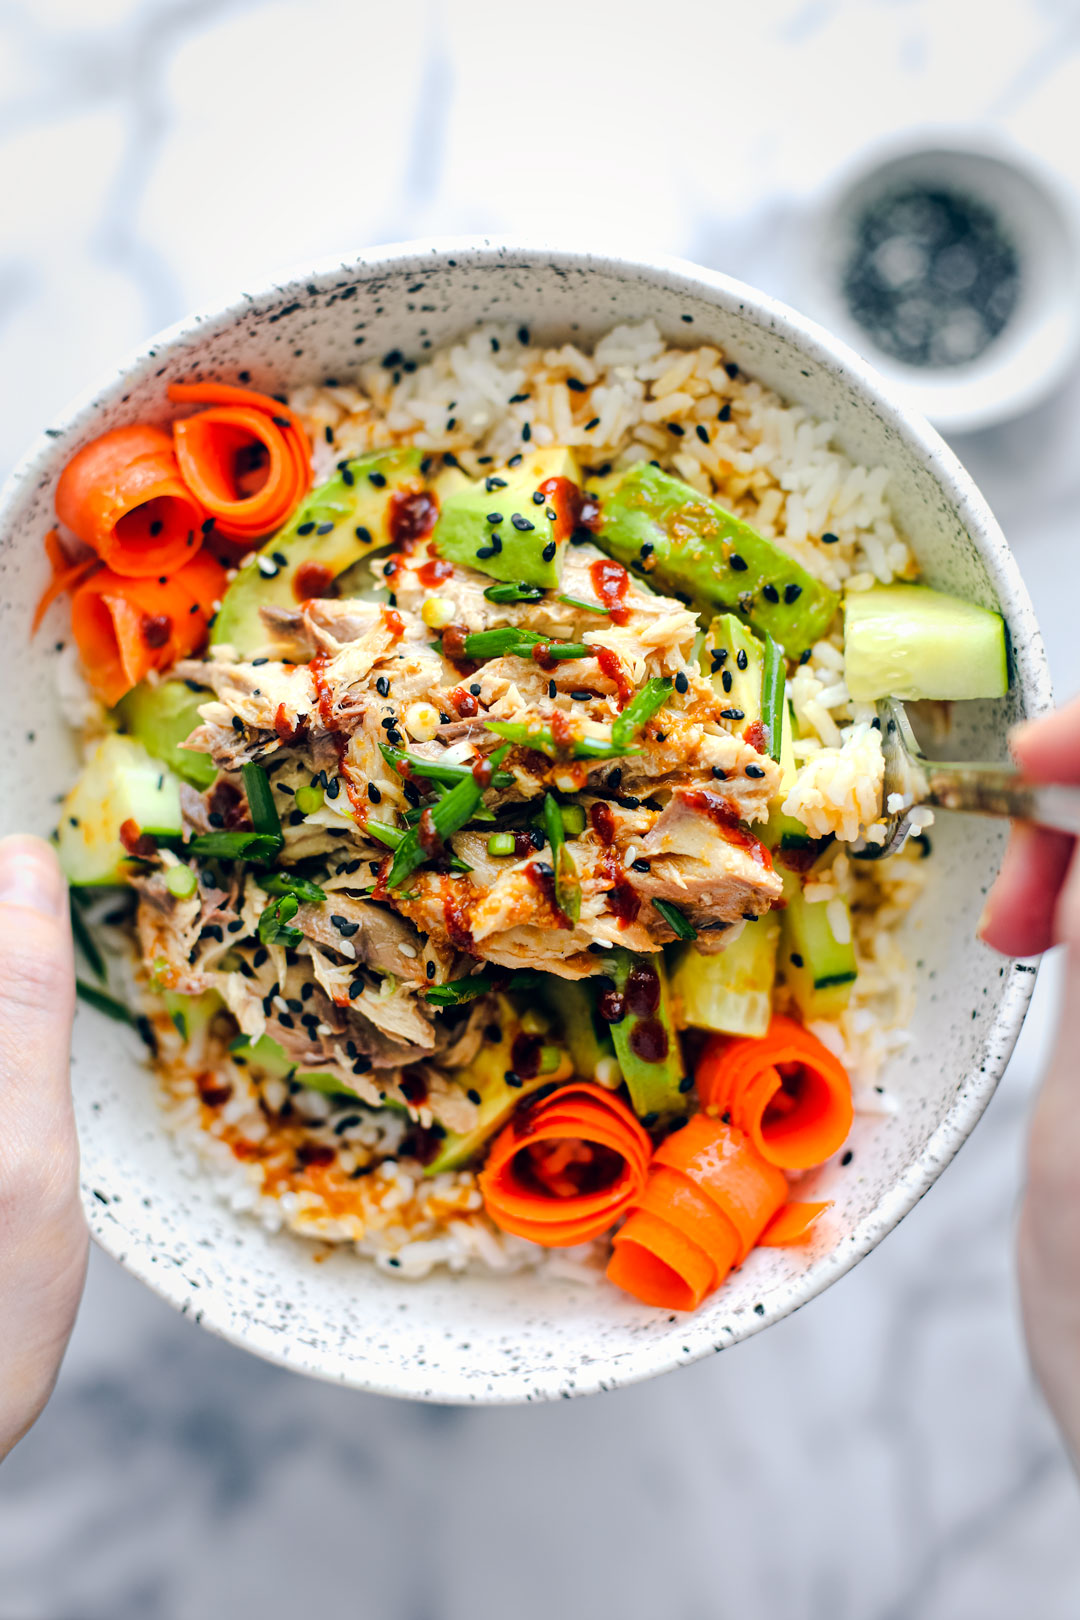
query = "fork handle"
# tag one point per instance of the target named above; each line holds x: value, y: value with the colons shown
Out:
x: 996, y: 790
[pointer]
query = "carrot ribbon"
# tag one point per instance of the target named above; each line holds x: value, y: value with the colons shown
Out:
x: 65, y: 576
x: 787, y: 1091
x: 246, y: 459
x: 708, y: 1198
x: 126, y: 627
x: 565, y: 1168
x: 123, y: 495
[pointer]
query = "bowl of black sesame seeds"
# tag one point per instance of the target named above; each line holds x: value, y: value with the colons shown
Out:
x: 953, y: 263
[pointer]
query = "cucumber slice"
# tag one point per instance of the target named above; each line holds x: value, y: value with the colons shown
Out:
x: 818, y: 967
x: 120, y: 784
x: 587, y: 1037
x: 732, y: 991
x: 646, y: 1043
x: 909, y: 642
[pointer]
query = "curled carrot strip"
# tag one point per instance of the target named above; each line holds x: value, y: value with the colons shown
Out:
x: 223, y: 451
x: 565, y: 1168
x: 65, y: 576
x: 708, y: 1198
x: 124, y: 628
x: 123, y: 495
x: 792, y: 1224
x: 787, y: 1091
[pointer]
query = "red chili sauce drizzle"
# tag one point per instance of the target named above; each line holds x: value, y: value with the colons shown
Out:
x: 212, y: 1091
x: 464, y: 702
x: 525, y: 1056
x: 482, y: 772
x: 156, y: 629
x: 568, y: 502
x: 411, y: 517
x: 562, y: 732
x: 315, y: 1153
x: 542, y: 877
x: 434, y: 571
x: 138, y: 844
x: 414, y: 1087
x: 623, y: 899
x: 456, y: 919
x: 284, y: 727
x: 649, y: 1041
x: 602, y: 820
x: 323, y: 695
x: 229, y: 803
x: 312, y: 579
x: 394, y: 623
x: 726, y: 818
x: 642, y: 991
x: 756, y: 735
x: 610, y: 1005
x: 611, y: 583
x: 541, y: 654
x: 612, y: 666
x: 428, y: 836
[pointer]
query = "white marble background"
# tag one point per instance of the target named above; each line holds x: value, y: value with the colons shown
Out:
x: 880, y: 1456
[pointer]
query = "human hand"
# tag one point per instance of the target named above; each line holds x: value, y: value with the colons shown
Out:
x: 1035, y: 903
x: 42, y: 1232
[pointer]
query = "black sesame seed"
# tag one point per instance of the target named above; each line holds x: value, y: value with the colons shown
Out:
x: 639, y: 866
x: 548, y: 551
x: 741, y: 659
x: 552, y: 689
x: 792, y: 593
x: 739, y: 564
x: 495, y: 517
x: 485, y: 552
x: 295, y: 818
x: 378, y: 479
x: 324, y: 528
x: 754, y: 770
x: 389, y: 570
x: 382, y: 686
x: 523, y: 336
x: 520, y: 522
x: 333, y: 787
x: 846, y: 1158
x: 215, y: 818
x: 770, y: 593
x: 731, y: 368
x: 363, y: 534
x: 796, y: 959
x: 373, y: 793
x: 805, y: 655
x: 830, y: 539
x: 593, y: 422
x: 724, y: 414
x: 328, y: 434
x: 473, y: 1095
x: 681, y: 683
x: 393, y: 736
x: 516, y: 459
x: 307, y: 992
x: 732, y: 714
x: 674, y: 427
x: 475, y: 689
x: 538, y: 497
x: 261, y: 955
x: 726, y: 679
x: 518, y: 399
x: 496, y: 544
x: 526, y: 432
x: 348, y: 476
x: 702, y: 432
x: 581, y: 694
x: 686, y: 1083
x: 492, y: 482
x: 575, y: 385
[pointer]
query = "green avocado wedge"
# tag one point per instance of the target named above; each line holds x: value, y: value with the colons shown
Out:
x: 511, y: 525
x: 342, y: 521
x: 684, y: 542
x: 162, y: 718
x: 645, y: 1039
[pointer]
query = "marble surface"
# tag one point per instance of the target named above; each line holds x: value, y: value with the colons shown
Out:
x: 879, y: 1456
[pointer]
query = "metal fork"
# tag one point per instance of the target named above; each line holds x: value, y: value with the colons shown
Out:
x: 988, y: 790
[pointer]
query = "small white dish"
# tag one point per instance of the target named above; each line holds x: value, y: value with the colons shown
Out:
x: 1040, y: 339
x: 529, y: 1336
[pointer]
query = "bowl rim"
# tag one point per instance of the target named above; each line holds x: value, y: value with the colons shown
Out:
x: 693, y: 1337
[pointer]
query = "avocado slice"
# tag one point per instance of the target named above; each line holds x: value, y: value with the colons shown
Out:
x: 120, y: 787
x: 646, y: 1043
x: 271, y: 1059
x: 686, y: 542
x: 485, y: 1077
x: 733, y: 657
x: 345, y: 519
x: 162, y: 718
x: 908, y: 641
x: 731, y: 991
x: 500, y: 527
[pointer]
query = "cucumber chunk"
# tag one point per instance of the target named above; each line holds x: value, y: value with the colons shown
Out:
x: 818, y: 967
x: 910, y: 642
x: 120, y: 786
x: 731, y: 991
x: 646, y: 1043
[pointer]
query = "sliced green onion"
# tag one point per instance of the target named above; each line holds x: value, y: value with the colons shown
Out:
x: 86, y: 942
x: 448, y: 816
x: 550, y: 1058
x: 485, y: 644
x: 104, y: 1003
x: 683, y: 927
x: 459, y: 990
x: 289, y: 883
x: 382, y: 834
x: 504, y: 592
x: 773, y: 681
x: 587, y: 607
x: 540, y: 737
x: 567, y: 884
x: 573, y: 819
x: 181, y: 881
x: 501, y: 844
x: 435, y: 770
x: 260, y: 797
x: 259, y: 848
x: 641, y: 708
x: 273, y: 924
x: 309, y: 799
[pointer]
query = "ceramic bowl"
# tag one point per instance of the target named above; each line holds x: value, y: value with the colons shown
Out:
x: 521, y: 1337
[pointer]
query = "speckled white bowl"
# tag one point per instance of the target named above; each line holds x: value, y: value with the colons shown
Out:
x: 520, y: 1338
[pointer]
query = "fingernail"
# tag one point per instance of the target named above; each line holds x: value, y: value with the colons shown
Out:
x: 30, y: 876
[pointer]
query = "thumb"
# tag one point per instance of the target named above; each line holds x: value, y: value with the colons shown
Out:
x: 42, y: 1233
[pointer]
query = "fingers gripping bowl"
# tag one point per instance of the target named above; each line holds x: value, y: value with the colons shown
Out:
x: 537, y: 1332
